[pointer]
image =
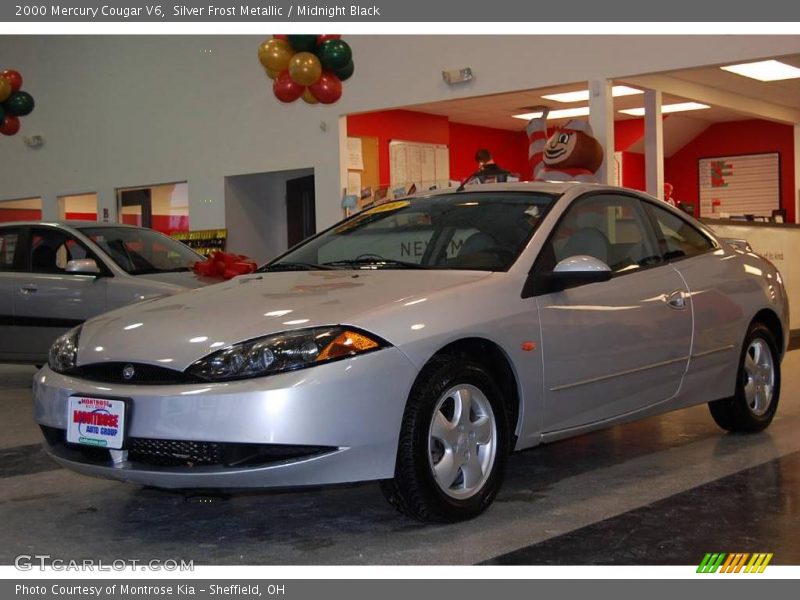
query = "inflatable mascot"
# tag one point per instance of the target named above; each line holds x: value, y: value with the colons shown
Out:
x: 570, y: 154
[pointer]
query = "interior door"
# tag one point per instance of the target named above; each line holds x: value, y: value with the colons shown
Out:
x: 48, y: 301
x: 617, y: 346
x: 301, y: 219
x: 140, y: 200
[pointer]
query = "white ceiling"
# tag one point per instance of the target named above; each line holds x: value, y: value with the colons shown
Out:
x: 497, y: 110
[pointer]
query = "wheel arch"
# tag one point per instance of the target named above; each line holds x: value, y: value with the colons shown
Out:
x: 771, y: 321
x: 492, y: 357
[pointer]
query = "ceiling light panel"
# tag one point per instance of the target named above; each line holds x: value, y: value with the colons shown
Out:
x: 765, y: 70
x: 583, y: 95
x: 667, y: 108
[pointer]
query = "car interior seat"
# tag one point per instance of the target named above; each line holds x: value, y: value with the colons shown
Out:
x: 476, y: 242
x: 587, y: 241
x: 43, y: 259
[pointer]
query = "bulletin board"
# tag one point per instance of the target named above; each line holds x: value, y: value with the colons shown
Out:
x: 740, y: 185
x: 419, y: 164
x: 363, y: 168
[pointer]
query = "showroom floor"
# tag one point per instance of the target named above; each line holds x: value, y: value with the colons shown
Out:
x: 665, y: 490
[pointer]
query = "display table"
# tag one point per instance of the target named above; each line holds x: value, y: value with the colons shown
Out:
x: 778, y: 242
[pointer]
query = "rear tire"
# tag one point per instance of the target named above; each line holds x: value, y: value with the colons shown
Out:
x: 453, y: 444
x: 758, y: 385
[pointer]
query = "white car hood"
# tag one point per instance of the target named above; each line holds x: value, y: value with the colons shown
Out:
x: 183, y: 279
x: 176, y: 331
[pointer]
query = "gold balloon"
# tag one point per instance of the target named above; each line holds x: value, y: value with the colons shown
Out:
x: 275, y: 54
x: 5, y: 89
x: 270, y: 73
x: 305, y: 68
x: 309, y: 97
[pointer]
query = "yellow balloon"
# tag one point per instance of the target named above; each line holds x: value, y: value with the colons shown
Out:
x: 5, y: 89
x: 309, y: 97
x: 305, y: 68
x: 275, y: 54
x: 270, y: 73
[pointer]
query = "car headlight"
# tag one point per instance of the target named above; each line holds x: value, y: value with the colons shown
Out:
x: 64, y: 351
x: 284, y: 352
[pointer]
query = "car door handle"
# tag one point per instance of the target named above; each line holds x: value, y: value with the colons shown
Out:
x: 676, y: 300
x: 28, y: 289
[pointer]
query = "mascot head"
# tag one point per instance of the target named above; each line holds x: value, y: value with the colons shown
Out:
x: 572, y: 146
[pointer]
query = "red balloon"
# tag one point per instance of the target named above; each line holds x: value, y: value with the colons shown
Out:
x: 13, y: 77
x: 280, y: 36
x: 321, y: 39
x: 328, y: 89
x: 285, y: 88
x: 10, y: 125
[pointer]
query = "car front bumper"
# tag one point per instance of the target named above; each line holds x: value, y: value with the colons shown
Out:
x: 350, y: 411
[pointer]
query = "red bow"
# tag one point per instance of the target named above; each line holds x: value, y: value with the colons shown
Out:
x: 225, y: 265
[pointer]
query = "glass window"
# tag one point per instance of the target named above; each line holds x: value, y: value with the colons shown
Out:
x: 608, y: 227
x: 8, y: 247
x: 471, y: 230
x: 52, y: 249
x: 142, y: 251
x: 78, y: 207
x: 681, y: 238
x: 28, y: 209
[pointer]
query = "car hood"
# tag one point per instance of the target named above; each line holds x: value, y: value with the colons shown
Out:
x: 183, y: 279
x: 176, y: 331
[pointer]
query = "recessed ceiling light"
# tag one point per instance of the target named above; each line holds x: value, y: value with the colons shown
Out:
x: 765, y: 70
x: 667, y: 108
x: 564, y: 113
x: 583, y: 95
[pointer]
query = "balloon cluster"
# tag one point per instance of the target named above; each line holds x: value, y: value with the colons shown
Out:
x: 225, y: 265
x: 14, y: 103
x: 311, y: 67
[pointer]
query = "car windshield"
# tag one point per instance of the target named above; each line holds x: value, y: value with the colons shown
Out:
x: 142, y: 251
x: 483, y: 231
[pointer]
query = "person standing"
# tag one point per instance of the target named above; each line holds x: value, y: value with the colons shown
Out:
x: 488, y: 170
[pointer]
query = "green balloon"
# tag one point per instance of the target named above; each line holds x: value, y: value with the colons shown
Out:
x: 302, y: 43
x: 345, y: 72
x: 2, y: 113
x: 334, y: 54
x: 19, y: 104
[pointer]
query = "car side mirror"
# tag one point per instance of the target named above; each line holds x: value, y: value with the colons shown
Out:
x: 578, y: 270
x: 83, y: 266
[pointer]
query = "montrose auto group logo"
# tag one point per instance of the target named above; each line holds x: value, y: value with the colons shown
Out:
x: 734, y: 562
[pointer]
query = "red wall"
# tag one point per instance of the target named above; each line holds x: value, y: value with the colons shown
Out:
x: 724, y: 139
x: 403, y: 125
x: 508, y: 148
x: 20, y: 214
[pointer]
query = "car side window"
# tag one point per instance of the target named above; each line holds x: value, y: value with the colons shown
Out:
x: 8, y: 248
x: 680, y: 237
x: 609, y: 227
x: 52, y: 249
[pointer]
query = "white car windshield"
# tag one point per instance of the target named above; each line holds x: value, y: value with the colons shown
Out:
x: 483, y: 231
x: 142, y: 251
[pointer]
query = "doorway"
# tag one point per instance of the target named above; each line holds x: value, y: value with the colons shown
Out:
x: 301, y: 218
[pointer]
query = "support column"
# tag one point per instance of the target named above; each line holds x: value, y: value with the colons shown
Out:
x: 49, y: 207
x: 653, y: 144
x: 796, y: 189
x: 601, y: 118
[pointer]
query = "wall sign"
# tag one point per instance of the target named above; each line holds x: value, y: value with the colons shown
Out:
x: 739, y: 185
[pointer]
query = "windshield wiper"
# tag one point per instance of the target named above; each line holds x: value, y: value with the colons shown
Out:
x: 292, y: 266
x: 375, y: 262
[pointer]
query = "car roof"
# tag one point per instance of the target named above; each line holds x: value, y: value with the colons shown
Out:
x: 546, y: 187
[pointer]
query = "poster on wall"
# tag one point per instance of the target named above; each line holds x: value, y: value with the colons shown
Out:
x: 732, y: 186
x: 418, y: 164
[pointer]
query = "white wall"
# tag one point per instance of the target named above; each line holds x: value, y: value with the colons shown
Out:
x: 121, y: 110
x: 255, y: 213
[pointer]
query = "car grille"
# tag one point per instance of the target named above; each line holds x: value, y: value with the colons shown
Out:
x: 112, y: 372
x: 185, y: 453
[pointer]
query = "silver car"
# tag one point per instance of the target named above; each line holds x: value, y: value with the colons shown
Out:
x: 54, y: 276
x: 420, y: 342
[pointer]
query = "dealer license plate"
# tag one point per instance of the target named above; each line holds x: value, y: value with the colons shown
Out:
x: 96, y: 422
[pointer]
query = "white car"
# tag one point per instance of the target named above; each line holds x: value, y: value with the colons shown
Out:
x: 421, y: 341
x: 56, y: 275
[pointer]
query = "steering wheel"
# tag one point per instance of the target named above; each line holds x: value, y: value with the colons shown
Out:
x: 368, y: 256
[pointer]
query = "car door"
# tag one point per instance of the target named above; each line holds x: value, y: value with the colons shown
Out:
x: 617, y: 346
x: 48, y: 301
x: 10, y: 240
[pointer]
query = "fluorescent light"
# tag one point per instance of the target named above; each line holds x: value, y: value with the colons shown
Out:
x: 564, y: 113
x: 667, y: 108
x: 765, y: 70
x: 583, y: 95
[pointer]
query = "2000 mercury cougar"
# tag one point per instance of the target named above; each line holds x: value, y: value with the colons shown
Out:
x: 421, y: 341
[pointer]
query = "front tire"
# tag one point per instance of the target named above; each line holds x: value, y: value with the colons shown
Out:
x: 453, y: 444
x: 758, y: 385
